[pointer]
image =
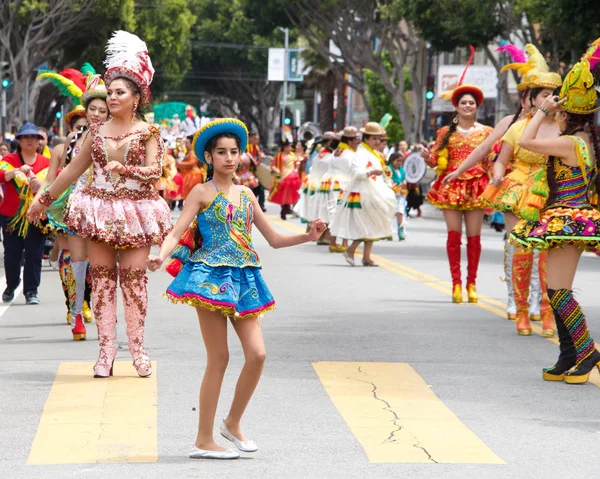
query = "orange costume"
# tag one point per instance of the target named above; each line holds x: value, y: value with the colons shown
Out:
x: 465, y: 192
x: 192, y: 173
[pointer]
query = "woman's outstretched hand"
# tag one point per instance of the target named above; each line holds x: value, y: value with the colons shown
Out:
x: 36, y: 212
x: 451, y: 177
x: 317, y: 229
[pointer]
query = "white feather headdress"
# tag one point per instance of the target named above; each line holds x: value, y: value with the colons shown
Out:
x: 127, y: 56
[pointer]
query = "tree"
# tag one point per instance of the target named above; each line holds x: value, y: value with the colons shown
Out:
x: 28, y: 29
x: 562, y: 28
x: 229, y: 58
x: 380, y: 103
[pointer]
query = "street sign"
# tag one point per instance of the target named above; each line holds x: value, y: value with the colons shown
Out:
x: 295, y: 65
x: 277, y: 65
x: 276, y: 70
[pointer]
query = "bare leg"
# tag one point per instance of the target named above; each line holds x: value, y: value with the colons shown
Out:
x: 352, y: 249
x: 250, y: 334
x: 562, y: 266
x: 367, y: 252
x: 214, y: 333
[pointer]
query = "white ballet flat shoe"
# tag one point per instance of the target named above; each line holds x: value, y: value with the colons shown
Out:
x: 203, y: 454
x: 348, y: 259
x: 244, y: 446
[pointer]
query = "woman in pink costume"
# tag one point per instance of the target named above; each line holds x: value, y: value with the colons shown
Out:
x: 119, y: 210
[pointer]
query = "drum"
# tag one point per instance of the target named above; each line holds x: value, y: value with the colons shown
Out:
x: 263, y: 173
x: 415, y: 168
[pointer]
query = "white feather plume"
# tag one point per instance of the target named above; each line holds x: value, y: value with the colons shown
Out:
x: 127, y: 50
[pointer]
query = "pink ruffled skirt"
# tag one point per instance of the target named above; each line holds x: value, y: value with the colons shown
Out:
x: 120, y: 222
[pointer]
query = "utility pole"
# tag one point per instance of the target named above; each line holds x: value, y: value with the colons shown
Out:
x: 427, y: 99
x: 286, y: 60
x: 26, y: 100
x: 3, y: 113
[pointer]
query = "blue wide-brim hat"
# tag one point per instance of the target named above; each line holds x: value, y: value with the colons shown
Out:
x: 216, y: 127
x: 28, y: 129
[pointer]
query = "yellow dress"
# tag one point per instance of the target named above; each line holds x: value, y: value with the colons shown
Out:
x: 528, y: 173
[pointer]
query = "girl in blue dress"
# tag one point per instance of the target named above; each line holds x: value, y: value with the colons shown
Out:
x: 221, y: 278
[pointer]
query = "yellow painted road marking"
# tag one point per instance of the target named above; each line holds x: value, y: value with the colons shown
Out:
x: 397, y: 418
x: 87, y: 420
x: 489, y: 304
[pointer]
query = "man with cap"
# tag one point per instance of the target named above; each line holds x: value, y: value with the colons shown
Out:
x: 22, y: 174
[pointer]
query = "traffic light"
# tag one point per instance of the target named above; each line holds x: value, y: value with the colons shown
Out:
x: 429, y: 92
x: 58, y: 115
x: 5, y: 74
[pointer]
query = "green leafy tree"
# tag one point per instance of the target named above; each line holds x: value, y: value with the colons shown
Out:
x: 380, y: 103
x: 229, y: 59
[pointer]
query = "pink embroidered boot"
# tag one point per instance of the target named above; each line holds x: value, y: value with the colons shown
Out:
x: 135, y: 300
x: 104, y: 287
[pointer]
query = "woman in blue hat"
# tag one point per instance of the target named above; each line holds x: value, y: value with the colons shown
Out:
x: 221, y: 278
x: 22, y: 174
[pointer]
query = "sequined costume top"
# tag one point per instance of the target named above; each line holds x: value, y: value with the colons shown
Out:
x: 124, y: 211
x: 459, y: 148
x: 226, y: 231
x: 137, y: 183
x: 465, y: 192
x: 573, y: 182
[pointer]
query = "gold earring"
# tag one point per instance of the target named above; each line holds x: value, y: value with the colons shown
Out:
x: 134, y: 112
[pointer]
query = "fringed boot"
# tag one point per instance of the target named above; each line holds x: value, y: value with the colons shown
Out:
x: 135, y: 300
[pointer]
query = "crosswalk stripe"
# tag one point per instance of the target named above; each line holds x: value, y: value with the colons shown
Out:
x: 87, y: 420
x: 396, y: 417
x: 489, y: 304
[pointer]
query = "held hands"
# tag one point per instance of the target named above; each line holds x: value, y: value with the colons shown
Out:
x: 116, y: 166
x: 36, y: 212
x: 375, y: 173
x: 317, y: 229
x: 154, y: 262
x: 497, y: 179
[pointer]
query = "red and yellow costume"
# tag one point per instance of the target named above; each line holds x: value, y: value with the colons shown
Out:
x: 286, y: 183
x: 465, y: 192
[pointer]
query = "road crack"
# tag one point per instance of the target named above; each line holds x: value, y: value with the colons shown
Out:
x: 387, y: 407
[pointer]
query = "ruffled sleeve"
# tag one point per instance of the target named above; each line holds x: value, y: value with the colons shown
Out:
x: 152, y: 171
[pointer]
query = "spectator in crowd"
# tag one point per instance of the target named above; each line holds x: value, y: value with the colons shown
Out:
x: 20, y: 174
x: 43, y: 149
x: 4, y: 149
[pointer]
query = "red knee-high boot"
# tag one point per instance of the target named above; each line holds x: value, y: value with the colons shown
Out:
x: 473, y: 255
x: 453, y: 250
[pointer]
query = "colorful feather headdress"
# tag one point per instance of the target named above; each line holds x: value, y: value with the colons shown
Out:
x: 127, y: 56
x: 533, y: 69
x: 578, y: 86
x: 69, y: 82
x: 94, y: 85
x: 461, y: 89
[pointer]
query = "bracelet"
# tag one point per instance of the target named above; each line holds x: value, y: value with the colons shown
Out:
x: 544, y: 111
x: 46, y: 198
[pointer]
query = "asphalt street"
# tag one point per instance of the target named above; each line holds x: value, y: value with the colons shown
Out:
x: 451, y: 389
